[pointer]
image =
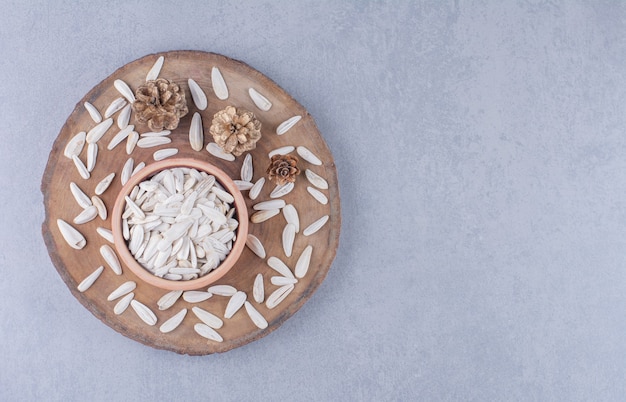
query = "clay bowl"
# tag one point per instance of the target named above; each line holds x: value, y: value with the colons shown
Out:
x: 241, y: 215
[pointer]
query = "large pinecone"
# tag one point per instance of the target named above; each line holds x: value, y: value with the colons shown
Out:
x: 160, y: 103
x: 283, y: 168
x: 236, y: 130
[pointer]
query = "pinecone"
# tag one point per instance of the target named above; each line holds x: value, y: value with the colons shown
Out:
x: 283, y: 168
x: 160, y: 103
x: 236, y: 130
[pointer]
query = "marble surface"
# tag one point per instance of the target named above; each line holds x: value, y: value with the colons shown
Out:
x: 481, y: 152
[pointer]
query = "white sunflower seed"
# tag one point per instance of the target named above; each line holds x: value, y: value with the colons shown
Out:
x: 149, y: 142
x: 247, y: 170
x: 153, y: 74
x: 243, y: 185
x: 111, y: 259
x: 89, y: 280
x: 195, y: 296
x: 137, y: 168
x: 173, y: 322
x: 114, y: 107
x: 102, y: 186
x: 258, y: 290
x: 87, y: 215
x: 281, y: 151
x: 267, y: 205
x: 167, y: 300
x: 163, y: 133
x: 289, y: 235
x: 278, y: 296
x: 105, y: 234
x: 219, y: 85
x: 282, y: 281
x: 302, y: 266
x: 124, y: 289
x: 287, y: 124
x: 222, y: 290
x: 318, y: 195
x: 92, y: 156
x: 198, y: 96
x: 259, y: 100
x: 98, y: 131
x: 315, y: 226
x: 223, y: 195
x: 291, y: 216
x: 281, y: 190
x: 123, y: 304
x: 262, y: 216
x: 124, y: 117
x: 207, y: 332
x: 124, y: 90
x: 308, y: 155
x: 255, y: 316
x: 144, y: 312
x: 120, y: 136
x: 216, y: 151
x: 81, y: 198
x: 125, y: 230
x: 255, y: 245
x: 127, y: 170
x: 80, y: 166
x: 316, y: 180
x: 209, y: 319
x: 137, y: 235
x: 256, y: 188
x: 131, y: 142
x: 196, y: 133
x: 75, y: 145
x: 277, y: 265
x: 234, y: 304
x: 72, y: 236
x: 164, y: 153
x: 93, y: 112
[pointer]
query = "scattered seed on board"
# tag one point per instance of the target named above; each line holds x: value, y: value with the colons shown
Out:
x: 243, y: 185
x: 302, y: 266
x: 153, y: 74
x: 255, y: 245
x: 89, y: 280
x: 316, y: 180
x: 86, y: 215
x: 127, y: 170
x: 111, y: 259
x: 105, y: 234
x: 79, y: 195
x: 124, y: 117
x: 120, y: 136
x: 209, y: 319
x: 278, y: 296
x: 259, y: 100
x: 124, y: 289
x: 318, y: 195
x: 315, y: 226
x: 281, y: 151
x: 279, y: 266
x: 167, y: 300
x: 282, y: 190
x: 289, y: 235
x: 144, y: 312
x: 114, y: 107
x: 123, y: 304
x: 282, y: 281
x: 163, y: 133
x: 222, y: 290
x: 207, y: 332
x: 93, y: 112
x: 131, y: 142
x: 256, y: 188
x: 72, y: 236
x: 164, y: 153
x: 258, y: 289
x: 219, y: 85
x: 247, y: 169
x: 196, y: 133
x: 92, y: 156
x: 216, y: 151
x: 234, y: 304
x: 124, y: 90
x: 308, y: 156
x: 173, y: 322
x: 255, y: 316
x: 287, y: 124
x: 198, y: 96
x: 98, y: 131
x: 291, y: 216
x: 75, y: 145
x: 102, y: 186
x: 80, y: 166
x: 195, y: 296
x: 262, y: 216
x: 149, y: 142
x: 137, y: 168
x: 269, y: 205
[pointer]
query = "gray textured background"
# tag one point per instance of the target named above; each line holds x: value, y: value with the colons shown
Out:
x: 481, y: 156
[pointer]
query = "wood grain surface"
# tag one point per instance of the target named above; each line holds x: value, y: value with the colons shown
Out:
x: 74, y: 265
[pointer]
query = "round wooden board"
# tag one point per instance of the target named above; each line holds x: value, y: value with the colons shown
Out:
x: 74, y: 265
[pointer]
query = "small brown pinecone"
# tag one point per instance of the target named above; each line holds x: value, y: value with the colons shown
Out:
x: 160, y: 103
x: 283, y: 168
x: 235, y: 130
